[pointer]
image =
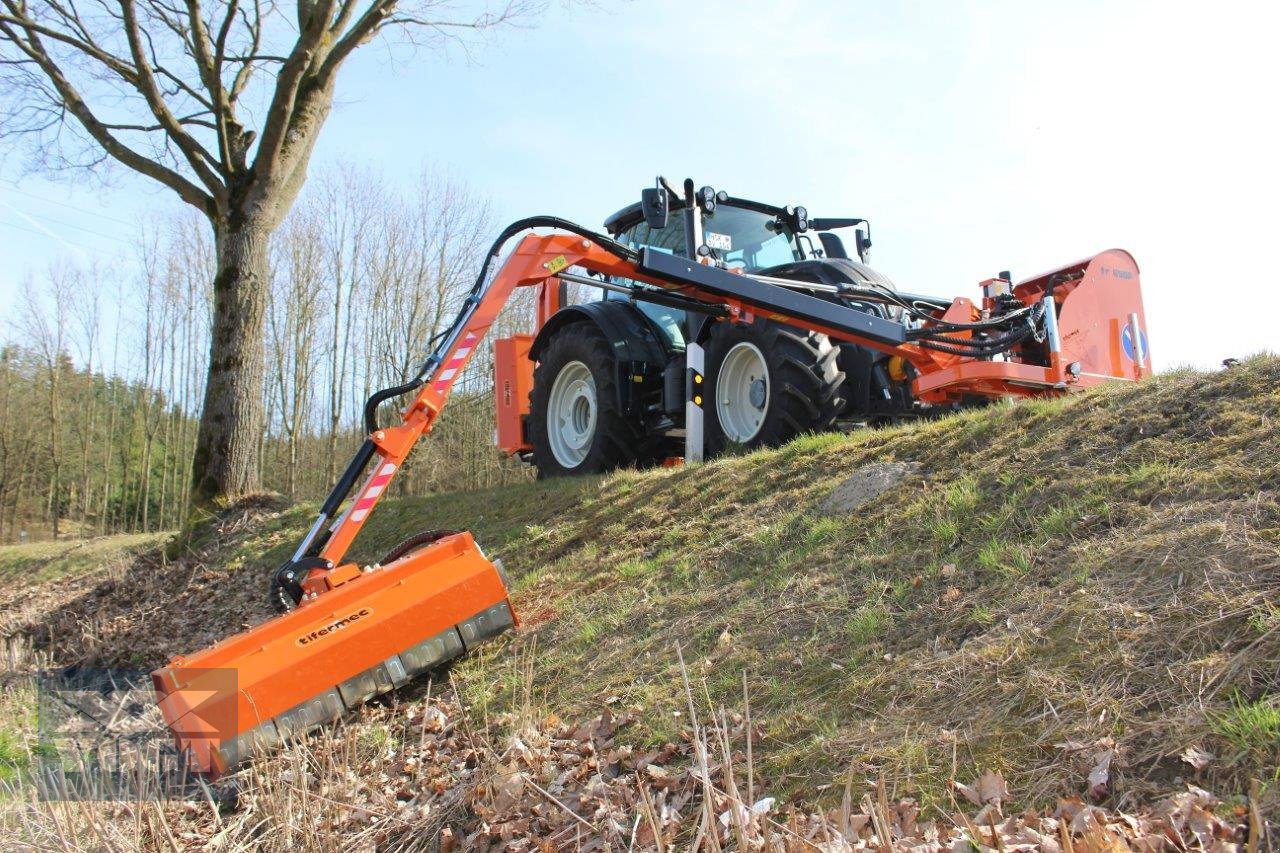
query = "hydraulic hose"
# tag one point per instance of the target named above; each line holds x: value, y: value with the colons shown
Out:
x: 316, y: 536
x: 950, y: 326
x: 983, y: 344
x: 982, y: 349
x: 936, y: 339
x: 476, y: 293
x: 969, y: 352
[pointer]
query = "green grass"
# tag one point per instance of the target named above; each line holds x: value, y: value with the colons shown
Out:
x: 13, y: 755
x: 962, y: 497
x: 998, y: 555
x: 35, y: 562
x: 1251, y: 728
x: 1265, y: 618
x: 866, y: 624
x: 17, y: 727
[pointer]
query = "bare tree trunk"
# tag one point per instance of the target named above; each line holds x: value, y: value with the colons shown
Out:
x: 55, y: 442
x: 197, y: 295
x: 226, y: 456
x: 113, y: 415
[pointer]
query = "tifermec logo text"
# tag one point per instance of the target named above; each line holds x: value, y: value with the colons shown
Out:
x: 307, y: 639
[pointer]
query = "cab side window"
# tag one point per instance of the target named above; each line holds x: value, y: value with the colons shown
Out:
x: 669, y: 239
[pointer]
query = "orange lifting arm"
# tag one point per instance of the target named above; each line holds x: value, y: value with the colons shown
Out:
x: 534, y: 262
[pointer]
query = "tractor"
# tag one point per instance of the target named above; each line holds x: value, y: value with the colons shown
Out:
x: 609, y: 386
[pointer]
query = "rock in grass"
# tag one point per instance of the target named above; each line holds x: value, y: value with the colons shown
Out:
x: 865, y: 484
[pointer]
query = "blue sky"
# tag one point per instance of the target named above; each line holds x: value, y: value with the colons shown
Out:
x: 975, y: 136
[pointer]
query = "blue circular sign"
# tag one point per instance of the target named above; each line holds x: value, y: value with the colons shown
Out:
x: 1126, y: 338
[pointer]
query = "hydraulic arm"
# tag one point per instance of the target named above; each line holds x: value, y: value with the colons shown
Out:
x: 355, y: 631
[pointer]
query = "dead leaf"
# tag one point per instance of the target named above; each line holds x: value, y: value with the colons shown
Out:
x: 992, y: 788
x: 509, y: 792
x: 968, y: 793
x: 1196, y: 757
x: 1100, y: 775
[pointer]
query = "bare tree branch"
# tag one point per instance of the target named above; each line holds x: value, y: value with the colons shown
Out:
x: 197, y: 156
x: 361, y: 31
x: 87, y: 47
x: 313, y: 16
x: 75, y: 104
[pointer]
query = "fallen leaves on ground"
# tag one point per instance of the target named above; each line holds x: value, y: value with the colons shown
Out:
x: 545, y: 785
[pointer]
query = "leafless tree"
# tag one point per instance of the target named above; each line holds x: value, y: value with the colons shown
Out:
x: 293, y: 324
x: 170, y: 90
x: 47, y: 325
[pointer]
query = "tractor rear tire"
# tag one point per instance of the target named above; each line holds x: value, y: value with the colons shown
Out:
x: 575, y: 424
x: 798, y: 389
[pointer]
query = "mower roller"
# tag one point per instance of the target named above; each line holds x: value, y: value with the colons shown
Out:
x: 351, y: 632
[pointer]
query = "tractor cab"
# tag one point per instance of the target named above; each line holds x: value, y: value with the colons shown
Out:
x: 743, y: 235
x: 737, y: 234
x: 746, y: 239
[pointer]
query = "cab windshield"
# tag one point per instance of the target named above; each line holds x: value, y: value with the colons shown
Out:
x: 741, y: 238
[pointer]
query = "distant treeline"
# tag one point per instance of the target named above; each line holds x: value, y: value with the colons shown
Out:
x: 102, y: 381
x: 82, y: 453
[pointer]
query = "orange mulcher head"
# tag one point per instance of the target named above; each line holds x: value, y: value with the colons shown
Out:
x: 365, y: 636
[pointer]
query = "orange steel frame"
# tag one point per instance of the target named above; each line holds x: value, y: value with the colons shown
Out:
x: 293, y: 663
x: 1091, y: 330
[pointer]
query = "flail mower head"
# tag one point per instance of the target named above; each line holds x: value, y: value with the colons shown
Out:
x: 371, y: 634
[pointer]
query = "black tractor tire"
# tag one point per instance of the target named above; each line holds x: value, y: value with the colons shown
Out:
x: 804, y: 383
x: 862, y: 393
x: 617, y: 441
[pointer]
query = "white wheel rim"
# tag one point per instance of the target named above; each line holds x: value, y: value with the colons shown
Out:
x: 742, y: 392
x: 571, y: 414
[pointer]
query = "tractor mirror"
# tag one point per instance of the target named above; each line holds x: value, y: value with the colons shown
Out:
x: 656, y: 207
x: 864, y: 242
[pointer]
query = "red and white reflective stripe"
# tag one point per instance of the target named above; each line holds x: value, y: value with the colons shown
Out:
x: 370, y: 495
x: 455, y: 364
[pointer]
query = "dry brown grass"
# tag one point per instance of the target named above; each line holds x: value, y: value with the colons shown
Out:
x: 417, y: 773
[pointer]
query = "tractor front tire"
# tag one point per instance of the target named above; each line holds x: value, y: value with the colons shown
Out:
x: 768, y: 384
x: 575, y: 424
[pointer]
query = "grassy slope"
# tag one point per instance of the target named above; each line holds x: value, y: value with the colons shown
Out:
x: 1101, y: 567
x: 1104, y: 567
x: 43, y: 561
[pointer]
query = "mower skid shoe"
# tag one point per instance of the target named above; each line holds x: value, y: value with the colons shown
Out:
x: 295, y: 672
